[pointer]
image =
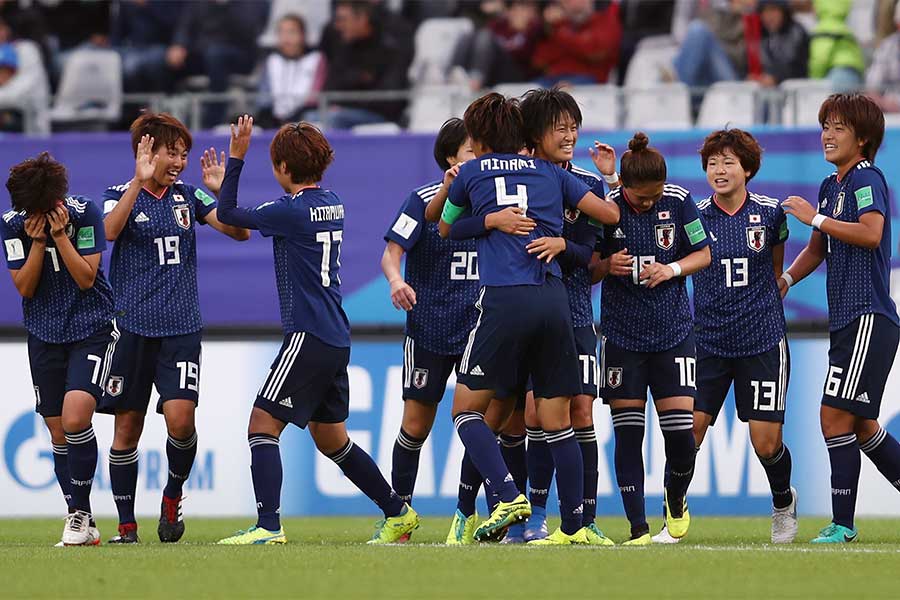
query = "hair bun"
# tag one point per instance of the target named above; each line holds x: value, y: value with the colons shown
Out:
x: 639, y: 142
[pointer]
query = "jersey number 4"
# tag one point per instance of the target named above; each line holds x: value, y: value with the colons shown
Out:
x: 327, y: 238
x: 520, y: 198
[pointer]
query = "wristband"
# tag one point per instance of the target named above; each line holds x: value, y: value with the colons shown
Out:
x: 787, y: 278
x: 675, y: 267
x: 611, y: 179
x: 818, y: 220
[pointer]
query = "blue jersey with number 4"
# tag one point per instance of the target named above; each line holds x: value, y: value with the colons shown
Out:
x: 493, y: 182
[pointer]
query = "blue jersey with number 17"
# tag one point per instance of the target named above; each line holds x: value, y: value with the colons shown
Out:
x: 493, y: 182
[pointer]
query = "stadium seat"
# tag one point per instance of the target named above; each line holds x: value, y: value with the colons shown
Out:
x: 861, y: 21
x: 316, y: 13
x: 663, y: 106
x: 432, y: 105
x: 90, y: 89
x: 802, y: 98
x: 732, y: 103
x: 435, y: 42
x: 652, y: 62
x: 599, y: 105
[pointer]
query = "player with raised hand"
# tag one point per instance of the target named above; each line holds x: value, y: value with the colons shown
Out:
x: 524, y: 326
x: 852, y: 234
x: 647, y: 329
x: 53, y: 245
x: 308, y: 382
x: 154, y: 276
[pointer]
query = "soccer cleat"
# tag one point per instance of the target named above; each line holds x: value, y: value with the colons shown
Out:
x: 504, y: 515
x: 254, y: 535
x: 95, y: 538
x: 558, y: 538
x: 462, y: 529
x: 391, y: 529
x: 836, y: 534
x: 77, y: 531
x: 171, y: 523
x: 641, y: 540
x: 677, y: 527
x: 515, y: 534
x: 663, y: 537
x: 595, y: 537
x: 536, y: 526
x: 127, y: 534
x: 784, y: 522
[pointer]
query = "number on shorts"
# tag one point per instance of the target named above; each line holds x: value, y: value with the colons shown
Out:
x: 167, y: 248
x: 95, y: 377
x: 687, y: 371
x: 833, y: 381
x: 588, y: 368
x: 520, y: 198
x: 54, y: 258
x: 326, y: 238
x: 736, y: 275
x: 765, y: 390
x: 190, y: 375
x: 464, y: 266
x: 638, y: 264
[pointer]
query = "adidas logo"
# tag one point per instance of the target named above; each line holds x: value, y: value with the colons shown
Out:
x: 286, y: 402
x: 508, y: 478
x: 141, y: 218
x: 864, y: 398
x: 618, y: 233
x: 579, y: 510
x: 476, y: 370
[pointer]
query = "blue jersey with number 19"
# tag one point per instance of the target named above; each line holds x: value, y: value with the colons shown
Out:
x: 493, y: 182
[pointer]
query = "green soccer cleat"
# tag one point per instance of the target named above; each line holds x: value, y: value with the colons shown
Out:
x: 677, y: 526
x: 391, y: 529
x: 254, y: 535
x: 836, y: 534
x: 504, y: 515
x: 462, y: 529
x: 558, y: 538
x: 595, y: 537
x: 641, y: 540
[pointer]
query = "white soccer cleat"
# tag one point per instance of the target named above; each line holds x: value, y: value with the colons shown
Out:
x: 77, y: 531
x: 95, y: 538
x: 784, y: 522
x: 663, y: 537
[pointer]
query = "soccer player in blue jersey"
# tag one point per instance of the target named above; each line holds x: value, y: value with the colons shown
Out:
x: 740, y: 328
x: 53, y: 245
x: 308, y: 383
x: 524, y: 327
x: 153, y: 272
x: 647, y: 329
x: 852, y: 234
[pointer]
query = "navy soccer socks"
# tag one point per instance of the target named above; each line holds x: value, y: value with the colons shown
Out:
x: 265, y: 468
x: 512, y: 448
x: 843, y: 451
x: 363, y: 472
x: 569, y: 477
x: 587, y: 441
x: 61, y: 469
x: 181, y: 454
x: 540, y: 468
x: 470, y: 481
x: 778, y: 471
x: 629, y: 424
x: 482, y: 447
x: 82, y: 451
x: 405, y: 464
x: 884, y: 452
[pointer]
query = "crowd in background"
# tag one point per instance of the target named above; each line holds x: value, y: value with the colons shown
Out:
x: 167, y: 46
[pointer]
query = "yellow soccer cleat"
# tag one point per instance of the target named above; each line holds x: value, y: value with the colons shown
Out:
x: 596, y: 537
x: 391, y: 529
x: 677, y: 526
x: 558, y: 538
x: 641, y: 540
x: 504, y: 515
x: 255, y: 535
x: 462, y: 529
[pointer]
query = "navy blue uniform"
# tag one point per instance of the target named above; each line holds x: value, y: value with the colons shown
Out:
x: 308, y: 379
x: 154, y: 275
x: 69, y: 332
x: 740, y: 326
x: 444, y: 275
x: 862, y: 317
x: 648, y: 333
x: 523, y: 326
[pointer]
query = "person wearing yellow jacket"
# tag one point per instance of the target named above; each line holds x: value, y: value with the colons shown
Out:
x: 834, y: 52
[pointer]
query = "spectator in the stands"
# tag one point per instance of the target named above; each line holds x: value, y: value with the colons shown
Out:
x: 141, y: 32
x: 834, y: 52
x: 641, y: 19
x: 581, y: 45
x: 367, y: 49
x: 784, y: 45
x: 25, y: 89
x: 501, y: 51
x: 292, y: 77
x: 883, y: 76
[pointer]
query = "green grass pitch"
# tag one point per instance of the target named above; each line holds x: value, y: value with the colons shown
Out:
x: 327, y: 557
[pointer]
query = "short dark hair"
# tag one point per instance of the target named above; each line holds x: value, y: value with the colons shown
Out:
x: 295, y: 18
x: 305, y: 151
x: 36, y: 184
x: 641, y: 163
x: 544, y: 108
x: 448, y: 141
x: 366, y: 7
x: 742, y: 143
x: 496, y: 122
x: 859, y: 112
x: 163, y: 128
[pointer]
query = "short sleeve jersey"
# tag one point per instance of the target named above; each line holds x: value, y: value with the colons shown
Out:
x: 858, y: 280
x: 737, y: 306
x: 493, y: 182
x: 578, y: 226
x: 307, y: 230
x: 154, y: 260
x: 444, y: 274
x: 60, y: 312
x: 632, y: 315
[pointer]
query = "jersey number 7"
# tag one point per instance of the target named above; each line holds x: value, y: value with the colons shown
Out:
x: 326, y: 238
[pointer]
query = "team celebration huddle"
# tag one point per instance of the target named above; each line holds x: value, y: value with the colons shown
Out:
x: 501, y: 252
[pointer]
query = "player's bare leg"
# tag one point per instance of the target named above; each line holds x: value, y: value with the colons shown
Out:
x: 123, y: 472
x: 78, y: 410
x: 181, y: 450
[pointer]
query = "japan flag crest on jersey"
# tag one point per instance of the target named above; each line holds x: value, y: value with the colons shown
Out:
x: 756, y: 238
x: 182, y: 215
x: 613, y: 377
x: 665, y: 235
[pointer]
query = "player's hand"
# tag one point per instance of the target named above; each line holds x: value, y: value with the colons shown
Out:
x: 802, y: 210
x: 240, y: 137
x: 604, y: 157
x: 212, y: 168
x: 58, y: 218
x: 510, y: 220
x: 656, y: 273
x: 783, y: 287
x: 35, y: 227
x: 621, y: 263
x: 145, y: 161
x: 450, y: 174
x: 547, y: 248
x: 402, y: 295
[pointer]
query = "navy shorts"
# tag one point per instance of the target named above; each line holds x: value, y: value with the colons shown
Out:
x: 522, y: 330
x: 859, y: 362
x: 425, y: 373
x: 586, y: 346
x: 627, y: 374
x: 307, y: 382
x: 60, y: 368
x: 760, y: 383
x: 172, y: 364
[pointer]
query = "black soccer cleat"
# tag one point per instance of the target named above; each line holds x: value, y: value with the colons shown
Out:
x: 171, y: 525
x: 127, y: 535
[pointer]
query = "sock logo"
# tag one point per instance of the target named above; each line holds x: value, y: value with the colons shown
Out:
x: 841, y: 492
x: 627, y: 488
x: 579, y: 510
